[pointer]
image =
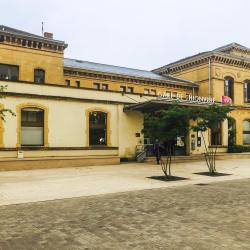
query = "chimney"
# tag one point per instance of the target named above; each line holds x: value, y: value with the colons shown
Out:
x: 48, y: 35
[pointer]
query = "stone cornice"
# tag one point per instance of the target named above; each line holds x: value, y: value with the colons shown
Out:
x: 36, y: 42
x: 136, y: 80
x: 195, y: 61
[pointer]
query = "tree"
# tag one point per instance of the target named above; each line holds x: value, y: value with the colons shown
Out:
x: 166, y: 125
x: 209, y: 118
x: 4, y: 112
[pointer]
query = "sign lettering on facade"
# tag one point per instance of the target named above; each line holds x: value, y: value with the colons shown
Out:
x: 191, y: 98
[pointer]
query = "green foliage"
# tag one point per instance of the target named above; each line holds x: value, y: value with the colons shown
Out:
x: 4, y: 112
x: 238, y: 149
x: 210, y: 117
x: 167, y: 124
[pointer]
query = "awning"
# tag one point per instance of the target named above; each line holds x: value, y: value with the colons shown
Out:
x: 163, y: 103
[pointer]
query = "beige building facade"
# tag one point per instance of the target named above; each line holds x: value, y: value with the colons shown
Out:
x: 224, y: 71
x: 77, y: 110
x: 72, y: 109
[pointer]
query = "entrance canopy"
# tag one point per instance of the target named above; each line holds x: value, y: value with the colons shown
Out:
x: 164, y: 103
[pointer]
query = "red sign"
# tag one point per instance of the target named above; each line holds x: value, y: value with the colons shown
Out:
x: 226, y: 100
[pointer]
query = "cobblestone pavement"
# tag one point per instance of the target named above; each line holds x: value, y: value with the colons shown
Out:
x: 213, y: 216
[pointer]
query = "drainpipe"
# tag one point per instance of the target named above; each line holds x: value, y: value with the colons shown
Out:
x: 209, y: 77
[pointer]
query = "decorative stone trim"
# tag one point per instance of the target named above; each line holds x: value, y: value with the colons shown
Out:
x: 100, y: 75
x: 214, y: 57
x: 31, y: 42
x: 97, y: 109
x: 46, y: 127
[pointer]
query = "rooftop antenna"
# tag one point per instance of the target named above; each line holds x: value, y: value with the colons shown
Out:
x: 42, y: 28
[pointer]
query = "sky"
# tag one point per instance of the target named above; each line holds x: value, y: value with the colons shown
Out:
x: 143, y: 34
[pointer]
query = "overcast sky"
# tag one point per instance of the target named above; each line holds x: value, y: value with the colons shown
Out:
x: 141, y: 34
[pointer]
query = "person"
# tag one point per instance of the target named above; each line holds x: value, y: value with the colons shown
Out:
x: 157, y: 151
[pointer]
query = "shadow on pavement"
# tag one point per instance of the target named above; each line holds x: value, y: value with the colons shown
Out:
x: 212, y: 175
x: 171, y: 178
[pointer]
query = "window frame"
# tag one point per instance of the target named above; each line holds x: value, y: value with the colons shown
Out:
x: 153, y: 92
x: 78, y: 83
x: 67, y: 82
x: 96, y: 85
x: 33, y: 106
x: 245, y: 132
x: 9, y: 78
x: 216, y: 135
x: 108, y: 131
x: 229, y: 87
x: 246, y: 90
x: 130, y: 89
x: 105, y: 87
x: 95, y: 128
x: 32, y: 124
x: 123, y: 89
x: 41, y: 70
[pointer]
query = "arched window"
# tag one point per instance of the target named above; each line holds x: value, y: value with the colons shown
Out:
x: 39, y: 76
x: 229, y: 87
x: 247, y: 91
x: 32, y: 127
x: 216, y: 134
x: 231, y: 131
x: 246, y: 132
x: 97, y: 128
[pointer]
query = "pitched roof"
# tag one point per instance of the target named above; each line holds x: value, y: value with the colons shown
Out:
x: 117, y: 70
x: 223, y: 50
x: 232, y: 46
x: 11, y: 31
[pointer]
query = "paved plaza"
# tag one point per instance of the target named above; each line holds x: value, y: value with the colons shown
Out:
x: 120, y: 207
x: 49, y: 184
x: 214, y: 216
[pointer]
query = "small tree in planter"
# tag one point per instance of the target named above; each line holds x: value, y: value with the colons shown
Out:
x: 166, y: 125
x: 209, y: 119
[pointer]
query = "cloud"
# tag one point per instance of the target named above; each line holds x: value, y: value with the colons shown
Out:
x: 135, y: 33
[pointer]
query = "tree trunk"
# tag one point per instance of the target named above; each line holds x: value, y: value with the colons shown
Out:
x: 210, y: 156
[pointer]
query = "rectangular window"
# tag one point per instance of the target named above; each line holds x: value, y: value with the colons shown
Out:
x: 146, y: 91
x: 174, y: 94
x: 246, y: 132
x: 32, y: 127
x: 247, y: 92
x: 122, y: 88
x: 9, y: 72
x: 97, y: 128
x: 67, y: 82
x: 96, y: 85
x: 228, y: 87
x: 105, y: 87
x: 39, y: 76
x: 153, y: 92
x: 78, y: 84
x: 130, y: 90
x: 168, y: 94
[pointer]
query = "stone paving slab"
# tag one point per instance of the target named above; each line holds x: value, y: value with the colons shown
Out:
x: 49, y: 184
x: 214, y: 216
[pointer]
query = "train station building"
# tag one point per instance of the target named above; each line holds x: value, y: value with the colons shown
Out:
x: 69, y: 111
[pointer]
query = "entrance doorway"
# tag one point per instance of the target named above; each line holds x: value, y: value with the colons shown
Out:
x: 180, y: 146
